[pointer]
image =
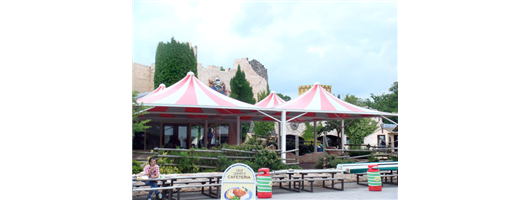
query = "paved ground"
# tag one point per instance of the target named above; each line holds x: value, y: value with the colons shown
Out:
x: 352, y: 191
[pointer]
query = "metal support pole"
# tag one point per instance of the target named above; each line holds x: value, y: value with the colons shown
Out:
x: 296, y: 147
x: 238, y: 132
x: 205, y: 135
x: 284, y: 128
x: 315, y: 134
x: 343, y: 136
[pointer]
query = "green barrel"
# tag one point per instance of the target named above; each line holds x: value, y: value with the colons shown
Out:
x: 374, y: 178
x: 264, y: 184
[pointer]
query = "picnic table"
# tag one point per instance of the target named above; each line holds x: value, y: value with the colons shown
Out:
x: 305, y: 176
x: 170, y: 183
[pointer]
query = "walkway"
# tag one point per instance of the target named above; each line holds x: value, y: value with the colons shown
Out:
x: 352, y: 191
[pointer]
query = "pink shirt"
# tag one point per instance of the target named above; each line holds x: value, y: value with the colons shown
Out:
x: 155, y: 172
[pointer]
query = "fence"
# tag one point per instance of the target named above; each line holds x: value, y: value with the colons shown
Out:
x: 227, y: 153
x: 378, y: 151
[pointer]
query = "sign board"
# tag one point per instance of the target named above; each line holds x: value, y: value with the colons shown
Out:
x: 389, y: 126
x: 239, y: 183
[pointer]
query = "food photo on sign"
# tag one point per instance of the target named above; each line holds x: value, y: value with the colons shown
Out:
x: 239, y: 183
x: 238, y: 193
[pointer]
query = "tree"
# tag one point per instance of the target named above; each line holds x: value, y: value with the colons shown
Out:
x: 240, y: 88
x: 260, y: 128
x: 263, y: 94
x: 308, y: 134
x: 173, y: 61
x: 386, y: 102
x: 284, y: 97
x: 242, y: 91
x: 359, y: 129
x: 138, y: 110
x: 356, y: 129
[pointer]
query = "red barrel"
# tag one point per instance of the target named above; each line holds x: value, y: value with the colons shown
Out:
x: 374, y: 178
x: 264, y: 185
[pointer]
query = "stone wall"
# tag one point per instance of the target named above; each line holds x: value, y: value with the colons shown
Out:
x: 257, y: 81
x: 142, y: 77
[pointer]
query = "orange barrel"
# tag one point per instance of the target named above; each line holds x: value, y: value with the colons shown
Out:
x: 374, y: 178
x: 264, y: 183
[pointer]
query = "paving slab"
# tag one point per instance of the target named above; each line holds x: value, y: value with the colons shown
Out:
x: 352, y: 191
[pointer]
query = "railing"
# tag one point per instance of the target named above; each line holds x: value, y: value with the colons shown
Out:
x: 377, y: 151
x: 227, y: 153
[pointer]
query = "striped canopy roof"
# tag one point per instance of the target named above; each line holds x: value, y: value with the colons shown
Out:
x: 270, y: 101
x: 191, y: 99
x: 159, y: 89
x: 321, y: 105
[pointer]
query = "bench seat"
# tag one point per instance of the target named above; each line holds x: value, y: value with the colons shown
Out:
x: 323, y: 179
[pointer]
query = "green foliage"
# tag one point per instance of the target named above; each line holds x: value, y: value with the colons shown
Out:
x: 373, y: 159
x: 268, y: 159
x: 173, y: 61
x: 240, y: 88
x: 222, y: 69
x: 330, y: 161
x: 284, y: 97
x: 386, y: 102
x: 394, y: 158
x: 186, y: 164
x: 136, y: 167
x: 309, y: 134
x: 264, y: 93
x: 261, y: 128
x: 356, y: 130
x: 359, y: 129
x: 137, y: 110
x: 223, y: 163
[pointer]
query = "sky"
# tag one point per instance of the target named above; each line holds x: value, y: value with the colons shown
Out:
x: 351, y: 46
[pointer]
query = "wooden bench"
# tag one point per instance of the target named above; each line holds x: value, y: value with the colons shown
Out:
x: 179, y: 187
x: 210, y: 194
x: 294, y: 181
x: 314, y: 176
x: 177, y: 182
x: 324, y: 179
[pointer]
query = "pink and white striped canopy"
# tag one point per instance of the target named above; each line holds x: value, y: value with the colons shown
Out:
x: 160, y: 88
x: 320, y: 104
x: 270, y: 101
x: 191, y: 99
x: 191, y: 91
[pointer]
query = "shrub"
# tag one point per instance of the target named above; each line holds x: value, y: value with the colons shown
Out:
x: 136, y: 167
x: 330, y: 162
x: 394, y: 158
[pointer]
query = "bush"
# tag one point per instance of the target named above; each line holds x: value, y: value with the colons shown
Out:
x: 267, y: 159
x: 373, y: 159
x: 394, y: 158
x: 136, y: 167
x: 330, y: 162
x: 262, y: 159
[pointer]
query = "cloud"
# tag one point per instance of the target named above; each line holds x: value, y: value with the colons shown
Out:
x: 319, y: 50
x: 349, y: 45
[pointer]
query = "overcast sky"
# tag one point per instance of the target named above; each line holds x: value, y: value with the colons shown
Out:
x: 351, y: 46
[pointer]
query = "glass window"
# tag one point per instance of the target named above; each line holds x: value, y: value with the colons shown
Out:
x: 195, y: 138
x: 183, y: 136
x: 169, y: 141
x: 224, y: 134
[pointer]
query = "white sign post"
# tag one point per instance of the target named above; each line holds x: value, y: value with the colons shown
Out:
x: 239, y: 183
